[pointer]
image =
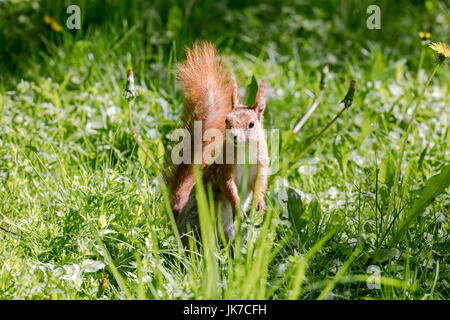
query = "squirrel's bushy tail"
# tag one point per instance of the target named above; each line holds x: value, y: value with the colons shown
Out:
x: 206, y: 86
x: 208, y: 92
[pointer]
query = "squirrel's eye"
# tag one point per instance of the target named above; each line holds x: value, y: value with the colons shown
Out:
x: 251, y: 124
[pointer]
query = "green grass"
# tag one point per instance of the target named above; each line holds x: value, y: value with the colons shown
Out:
x: 82, y: 204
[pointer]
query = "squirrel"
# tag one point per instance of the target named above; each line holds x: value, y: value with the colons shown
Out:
x: 212, y: 97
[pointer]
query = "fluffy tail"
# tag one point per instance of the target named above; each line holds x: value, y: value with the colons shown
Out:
x: 208, y: 92
x: 206, y: 86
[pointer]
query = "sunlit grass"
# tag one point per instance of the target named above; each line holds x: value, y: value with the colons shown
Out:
x: 87, y: 217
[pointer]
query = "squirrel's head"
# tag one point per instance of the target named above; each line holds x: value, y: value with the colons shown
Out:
x: 243, y: 123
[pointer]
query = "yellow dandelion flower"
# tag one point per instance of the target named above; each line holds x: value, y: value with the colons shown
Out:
x: 56, y: 26
x: 442, y: 49
x: 53, y: 23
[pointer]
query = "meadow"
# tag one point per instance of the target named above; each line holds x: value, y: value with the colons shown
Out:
x: 85, y: 215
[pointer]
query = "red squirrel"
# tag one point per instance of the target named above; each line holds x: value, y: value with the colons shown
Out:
x: 212, y: 97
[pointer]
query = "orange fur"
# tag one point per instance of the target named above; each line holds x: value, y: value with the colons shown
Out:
x: 212, y: 98
x: 208, y: 99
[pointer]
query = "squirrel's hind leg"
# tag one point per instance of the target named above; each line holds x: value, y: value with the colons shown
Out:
x: 229, y: 225
x: 188, y: 221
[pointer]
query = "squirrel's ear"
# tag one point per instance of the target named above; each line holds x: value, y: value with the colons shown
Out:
x: 260, y: 101
x: 234, y: 92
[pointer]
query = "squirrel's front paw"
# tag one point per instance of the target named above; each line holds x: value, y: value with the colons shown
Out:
x: 244, y: 215
x: 260, y: 206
